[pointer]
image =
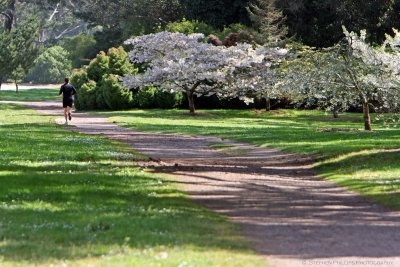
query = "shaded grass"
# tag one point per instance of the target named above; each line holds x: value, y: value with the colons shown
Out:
x: 30, y: 95
x: 345, y: 154
x: 70, y: 199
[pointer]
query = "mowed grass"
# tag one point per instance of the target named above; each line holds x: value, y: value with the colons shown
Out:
x: 365, y: 162
x: 30, y: 95
x: 68, y: 199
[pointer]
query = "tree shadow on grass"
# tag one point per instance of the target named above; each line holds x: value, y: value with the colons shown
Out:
x: 307, y: 220
x: 69, y: 216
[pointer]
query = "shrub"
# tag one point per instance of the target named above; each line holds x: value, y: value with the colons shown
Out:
x: 100, y: 100
x: 190, y: 26
x: 115, y: 96
x: 103, y: 71
x: 85, y: 98
x: 52, y: 66
x: 98, y: 67
x: 168, y: 100
x: 119, y: 62
x: 145, y: 97
x: 79, y: 77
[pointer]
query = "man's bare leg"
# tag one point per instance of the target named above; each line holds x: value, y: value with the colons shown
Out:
x: 69, y: 109
x: 66, y: 115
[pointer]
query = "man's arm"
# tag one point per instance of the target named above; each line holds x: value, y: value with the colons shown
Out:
x: 61, y: 90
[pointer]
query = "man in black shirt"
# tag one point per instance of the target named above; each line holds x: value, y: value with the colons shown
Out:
x: 67, y: 91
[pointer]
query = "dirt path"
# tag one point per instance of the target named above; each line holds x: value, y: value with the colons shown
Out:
x: 291, y: 216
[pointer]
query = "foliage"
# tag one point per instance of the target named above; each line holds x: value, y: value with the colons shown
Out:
x: 269, y: 21
x: 119, y: 62
x: 180, y: 63
x: 79, y: 77
x: 217, y: 13
x: 115, y: 96
x: 145, y: 97
x: 167, y: 100
x: 354, y: 72
x: 189, y: 27
x: 319, y: 23
x: 52, y: 66
x: 130, y: 17
x: 18, y: 49
x: 100, y: 81
x: 98, y: 67
x: 80, y: 48
x: 86, y: 96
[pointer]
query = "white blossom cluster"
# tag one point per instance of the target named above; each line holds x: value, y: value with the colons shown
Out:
x: 183, y: 63
x: 353, y: 73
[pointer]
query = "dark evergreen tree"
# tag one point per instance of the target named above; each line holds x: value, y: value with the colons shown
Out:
x: 217, y: 13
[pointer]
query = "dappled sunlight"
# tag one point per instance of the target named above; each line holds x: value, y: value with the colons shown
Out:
x: 66, y: 198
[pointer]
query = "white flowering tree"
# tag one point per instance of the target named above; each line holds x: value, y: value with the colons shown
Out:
x: 351, y: 73
x: 183, y: 63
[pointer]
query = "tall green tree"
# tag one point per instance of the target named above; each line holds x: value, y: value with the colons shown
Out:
x: 51, y: 66
x: 217, y: 13
x: 268, y: 20
x: 18, y: 48
x: 129, y: 17
x: 319, y: 23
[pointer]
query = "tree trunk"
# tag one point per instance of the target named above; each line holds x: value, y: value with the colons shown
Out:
x: 1, y: 82
x: 367, y: 118
x: 268, y: 104
x: 16, y: 86
x: 9, y: 14
x: 335, y: 114
x: 191, y: 102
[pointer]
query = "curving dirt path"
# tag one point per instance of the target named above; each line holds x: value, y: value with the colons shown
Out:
x: 292, y: 217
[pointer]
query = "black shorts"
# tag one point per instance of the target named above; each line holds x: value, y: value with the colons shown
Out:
x: 68, y: 103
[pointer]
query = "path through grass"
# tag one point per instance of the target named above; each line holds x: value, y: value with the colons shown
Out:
x: 73, y: 200
x: 362, y: 161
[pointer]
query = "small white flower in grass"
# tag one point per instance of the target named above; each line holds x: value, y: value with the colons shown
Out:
x: 163, y: 255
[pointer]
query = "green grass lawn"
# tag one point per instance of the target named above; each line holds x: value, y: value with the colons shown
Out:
x: 30, y: 95
x: 74, y: 200
x: 362, y: 161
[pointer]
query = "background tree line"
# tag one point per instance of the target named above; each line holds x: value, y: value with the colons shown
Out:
x: 41, y: 41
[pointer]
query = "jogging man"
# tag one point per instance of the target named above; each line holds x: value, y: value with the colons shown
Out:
x: 67, y: 91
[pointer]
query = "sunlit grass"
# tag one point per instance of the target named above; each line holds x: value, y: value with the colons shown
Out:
x: 73, y: 200
x: 30, y: 95
x: 362, y: 161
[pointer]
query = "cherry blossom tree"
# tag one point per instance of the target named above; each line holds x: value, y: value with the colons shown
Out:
x: 353, y: 72
x: 184, y: 63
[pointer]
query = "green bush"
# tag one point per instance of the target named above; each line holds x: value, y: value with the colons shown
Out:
x: 115, y: 96
x: 52, y: 66
x: 79, y: 77
x: 189, y: 26
x: 245, y: 33
x: 145, y: 97
x: 101, y: 103
x: 85, y: 98
x: 168, y: 100
x: 119, y: 62
x: 103, y: 71
x: 98, y: 67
